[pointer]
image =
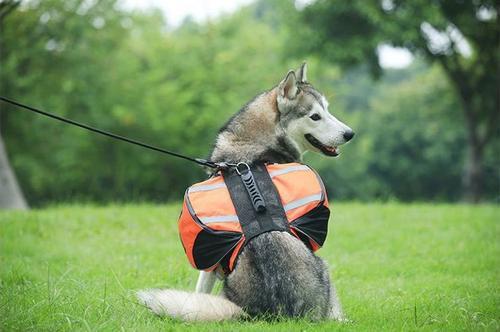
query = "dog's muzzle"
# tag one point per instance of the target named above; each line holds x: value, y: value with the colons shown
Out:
x: 325, y: 149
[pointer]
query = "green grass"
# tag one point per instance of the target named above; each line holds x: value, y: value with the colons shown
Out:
x: 396, y: 266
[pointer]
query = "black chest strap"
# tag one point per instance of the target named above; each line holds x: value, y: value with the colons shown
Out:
x: 253, y: 223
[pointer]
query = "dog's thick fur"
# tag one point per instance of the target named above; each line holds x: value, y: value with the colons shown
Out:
x: 275, y: 274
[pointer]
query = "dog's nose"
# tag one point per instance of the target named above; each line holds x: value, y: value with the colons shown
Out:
x: 348, y: 135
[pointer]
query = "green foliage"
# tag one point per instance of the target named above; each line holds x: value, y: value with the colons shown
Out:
x: 129, y: 73
x: 77, y: 267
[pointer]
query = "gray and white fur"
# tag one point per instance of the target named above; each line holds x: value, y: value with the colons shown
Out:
x: 275, y: 274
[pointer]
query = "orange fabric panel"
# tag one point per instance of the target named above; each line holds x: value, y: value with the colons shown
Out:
x: 325, y: 203
x: 300, y: 211
x: 294, y: 232
x: 212, y: 268
x: 314, y: 245
x: 188, y: 230
x: 225, y: 226
x: 212, y: 203
x: 236, y: 252
x: 295, y: 185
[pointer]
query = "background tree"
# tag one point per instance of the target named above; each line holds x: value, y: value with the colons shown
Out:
x: 461, y: 36
x: 11, y: 196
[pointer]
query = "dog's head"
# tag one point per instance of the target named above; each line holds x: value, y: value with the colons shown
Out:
x: 304, y: 116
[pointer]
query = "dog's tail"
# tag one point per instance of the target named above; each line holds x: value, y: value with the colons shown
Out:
x: 189, y: 306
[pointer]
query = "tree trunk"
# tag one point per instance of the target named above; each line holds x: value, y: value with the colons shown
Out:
x: 11, y: 196
x: 472, y: 180
x: 473, y: 172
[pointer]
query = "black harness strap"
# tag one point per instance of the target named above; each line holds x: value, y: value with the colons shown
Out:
x: 254, y: 223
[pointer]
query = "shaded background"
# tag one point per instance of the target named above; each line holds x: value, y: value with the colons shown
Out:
x: 427, y: 131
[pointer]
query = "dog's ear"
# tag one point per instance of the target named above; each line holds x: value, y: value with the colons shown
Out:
x: 288, y: 87
x: 302, y: 73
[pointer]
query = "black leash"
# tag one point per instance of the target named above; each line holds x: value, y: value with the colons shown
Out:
x: 199, y: 161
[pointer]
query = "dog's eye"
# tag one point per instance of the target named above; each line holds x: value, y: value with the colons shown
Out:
x: 315, y: 117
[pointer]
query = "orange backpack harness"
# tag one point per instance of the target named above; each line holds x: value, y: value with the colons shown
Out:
x: 223, y: 213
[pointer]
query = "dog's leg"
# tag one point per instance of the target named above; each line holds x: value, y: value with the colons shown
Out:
x: 206, y: 281
x: 335, y: 307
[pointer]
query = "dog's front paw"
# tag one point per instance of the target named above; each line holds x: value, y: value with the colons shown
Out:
x: 344, y: 320
x: 338, y: 315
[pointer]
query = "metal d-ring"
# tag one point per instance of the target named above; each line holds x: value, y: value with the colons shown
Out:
x: 238, y: 167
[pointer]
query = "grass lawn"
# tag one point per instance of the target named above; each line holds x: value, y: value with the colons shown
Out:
x: 396, y: 267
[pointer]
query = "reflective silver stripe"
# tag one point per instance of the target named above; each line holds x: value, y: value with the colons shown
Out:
x: 206, y: 187
x: 289, y: 169
x: 303, y: 201
x: 208, y: 220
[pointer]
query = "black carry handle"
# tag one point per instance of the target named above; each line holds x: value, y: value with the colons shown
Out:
x: 251, y: 186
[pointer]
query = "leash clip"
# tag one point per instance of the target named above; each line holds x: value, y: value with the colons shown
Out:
x: 215, y: 165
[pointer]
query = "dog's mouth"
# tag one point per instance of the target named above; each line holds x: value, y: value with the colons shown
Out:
x: 325, y: 149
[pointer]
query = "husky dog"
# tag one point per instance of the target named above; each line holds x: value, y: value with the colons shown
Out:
x: 275, y: 274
